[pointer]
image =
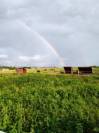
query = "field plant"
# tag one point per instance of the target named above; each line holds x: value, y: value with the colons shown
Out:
x: 39, y: 103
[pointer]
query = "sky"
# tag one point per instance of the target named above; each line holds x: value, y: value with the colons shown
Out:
x: 49, y: 32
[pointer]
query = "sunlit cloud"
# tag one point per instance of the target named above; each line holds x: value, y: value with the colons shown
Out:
x: 3, y: 56
x: 29, y: 58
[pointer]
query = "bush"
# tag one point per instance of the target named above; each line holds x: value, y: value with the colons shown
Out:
x: 38, y: 71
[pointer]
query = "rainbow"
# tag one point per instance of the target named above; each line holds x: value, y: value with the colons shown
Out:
x: 45, y: 42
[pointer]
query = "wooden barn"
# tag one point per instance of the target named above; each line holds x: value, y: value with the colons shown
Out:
x: 21, y: 70
x: 85, y: 70
x: 68, y: 70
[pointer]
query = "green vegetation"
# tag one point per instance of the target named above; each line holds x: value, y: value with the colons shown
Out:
x: 42, y: 103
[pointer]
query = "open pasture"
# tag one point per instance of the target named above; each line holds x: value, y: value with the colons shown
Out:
x: 44, y: 70
x: 43, y: 102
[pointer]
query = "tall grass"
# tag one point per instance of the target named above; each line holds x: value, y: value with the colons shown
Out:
x: 41, y: 103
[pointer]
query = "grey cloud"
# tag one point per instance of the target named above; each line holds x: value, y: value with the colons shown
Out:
x: 70, y: 26
x: 18, y: 40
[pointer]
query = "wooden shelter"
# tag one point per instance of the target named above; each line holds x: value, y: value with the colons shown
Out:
x: 85, y: 70
x: 68, y: 70
x: 21, y: 70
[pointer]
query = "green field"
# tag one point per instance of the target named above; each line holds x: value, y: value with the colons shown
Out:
x: 49, y: 103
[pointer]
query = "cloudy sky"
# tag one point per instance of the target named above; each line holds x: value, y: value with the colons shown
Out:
x: 49, y: 32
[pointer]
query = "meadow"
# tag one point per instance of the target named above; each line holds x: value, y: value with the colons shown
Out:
x: 44, y: 101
